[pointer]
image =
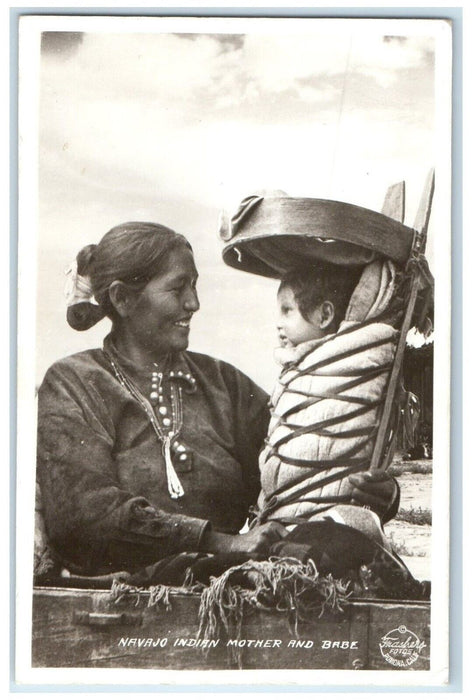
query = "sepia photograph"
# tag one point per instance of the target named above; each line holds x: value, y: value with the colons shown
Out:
x: 233, y: 350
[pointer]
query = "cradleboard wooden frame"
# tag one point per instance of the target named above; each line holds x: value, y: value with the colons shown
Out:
x: 395, y: 206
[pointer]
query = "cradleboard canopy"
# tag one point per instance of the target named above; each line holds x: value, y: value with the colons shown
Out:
x: 269, y: 235
x: 272, y: 233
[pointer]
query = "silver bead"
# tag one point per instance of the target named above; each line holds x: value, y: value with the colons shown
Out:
x: 160, y: 399
x: 166, y: 422
x: 163, y: 410
x: 180, y: 448
x: 183, y: 457
x: 154, y: 396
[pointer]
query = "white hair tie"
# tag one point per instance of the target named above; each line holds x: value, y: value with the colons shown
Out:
x: 78, y: 287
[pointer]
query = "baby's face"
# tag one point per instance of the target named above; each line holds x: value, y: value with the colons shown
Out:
x: 292, y: 327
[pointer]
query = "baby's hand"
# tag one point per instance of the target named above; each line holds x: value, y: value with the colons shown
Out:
x: 375, y: 490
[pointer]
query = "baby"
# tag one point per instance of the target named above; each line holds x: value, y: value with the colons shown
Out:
x: 336, y: 356
x: 312, y: 302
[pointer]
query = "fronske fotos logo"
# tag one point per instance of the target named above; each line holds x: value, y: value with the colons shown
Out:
x: 400, y: 647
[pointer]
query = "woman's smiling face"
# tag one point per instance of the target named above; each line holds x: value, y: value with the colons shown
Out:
x: 160, y: 319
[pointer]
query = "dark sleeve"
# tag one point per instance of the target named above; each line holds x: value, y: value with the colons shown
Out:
x: 251, y: 411
x: 90, y: 519
x: 393, y: 506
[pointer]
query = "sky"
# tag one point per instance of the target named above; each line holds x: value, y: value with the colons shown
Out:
x: 173, y: 127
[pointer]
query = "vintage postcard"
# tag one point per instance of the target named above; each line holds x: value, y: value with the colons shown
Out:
x: 233, y: 354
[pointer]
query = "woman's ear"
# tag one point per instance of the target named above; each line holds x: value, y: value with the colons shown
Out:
x: 327, y: 314
x: 122, y: 298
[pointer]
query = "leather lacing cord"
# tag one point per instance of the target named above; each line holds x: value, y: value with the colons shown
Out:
x: 318, y: 428
x: 348, y: 460
x: 340, y: 356
x: 340, y: 334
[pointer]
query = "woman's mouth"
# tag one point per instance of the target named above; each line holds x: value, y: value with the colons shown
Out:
x: 183, y: 324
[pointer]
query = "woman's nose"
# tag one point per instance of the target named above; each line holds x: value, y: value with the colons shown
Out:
x: 191, y: 302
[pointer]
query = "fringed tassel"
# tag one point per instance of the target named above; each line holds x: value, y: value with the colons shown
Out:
x: 283, y: 584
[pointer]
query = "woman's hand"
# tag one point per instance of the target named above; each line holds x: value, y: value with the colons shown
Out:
x: 376, y: 490
x: 259, y: 539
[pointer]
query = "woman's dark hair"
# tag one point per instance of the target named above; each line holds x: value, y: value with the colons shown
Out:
x: 132, y: 253
x: 314, y: 284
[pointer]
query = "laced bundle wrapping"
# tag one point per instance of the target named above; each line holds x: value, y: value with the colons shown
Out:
x: 327, y: 405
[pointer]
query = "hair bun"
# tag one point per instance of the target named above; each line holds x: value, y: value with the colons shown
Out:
x: 84, y: 315
x: 84, y: 258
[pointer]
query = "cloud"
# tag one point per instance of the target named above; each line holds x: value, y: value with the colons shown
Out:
x: 386, y: 58
x: 148, y: 66
x: 216, y: 72
x: 161, y: 114
x: 276, y: 63
x: 65, y: 43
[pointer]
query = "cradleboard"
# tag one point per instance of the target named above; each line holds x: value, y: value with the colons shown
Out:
x: 271, y: 234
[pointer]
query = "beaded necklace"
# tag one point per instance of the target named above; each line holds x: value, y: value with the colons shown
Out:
x: 174, y: 426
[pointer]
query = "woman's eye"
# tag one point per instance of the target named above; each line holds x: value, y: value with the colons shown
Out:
x: 181, y: 286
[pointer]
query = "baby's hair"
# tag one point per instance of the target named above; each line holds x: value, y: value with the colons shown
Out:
x: 314, y: 284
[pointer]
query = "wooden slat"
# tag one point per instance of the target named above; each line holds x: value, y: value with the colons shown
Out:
x: 377, y: 455
x: 422, y: 221
x: 70, y: 629
x: 394, y: 202
x: 424, y: 210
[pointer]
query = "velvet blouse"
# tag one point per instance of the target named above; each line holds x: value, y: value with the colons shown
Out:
x: 101, y: 470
